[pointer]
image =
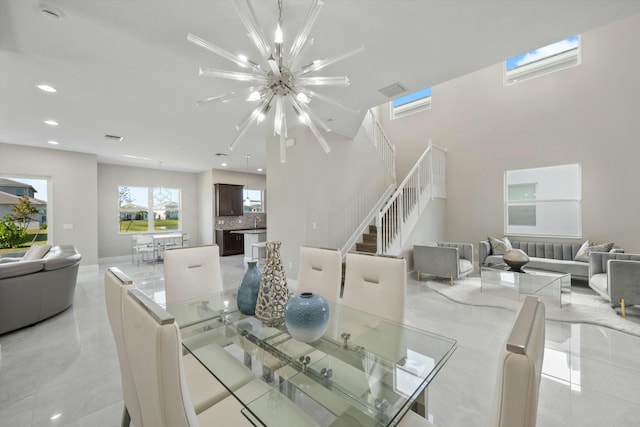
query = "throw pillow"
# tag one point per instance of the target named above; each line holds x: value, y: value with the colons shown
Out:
x: 499, y: 247
x: 588, y: 247
x: 36, y: 252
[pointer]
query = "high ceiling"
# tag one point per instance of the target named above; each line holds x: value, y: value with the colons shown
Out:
x: 126, y: 68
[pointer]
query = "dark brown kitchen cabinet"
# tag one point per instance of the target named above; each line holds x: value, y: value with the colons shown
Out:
x: 228, y: 200
x: 230, y: 243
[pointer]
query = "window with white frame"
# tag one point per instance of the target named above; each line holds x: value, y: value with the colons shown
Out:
x: 411, y: 103
x: 543, y: 201
x: 538, y: 62
x: 149, y: 209
x: 252, y: 201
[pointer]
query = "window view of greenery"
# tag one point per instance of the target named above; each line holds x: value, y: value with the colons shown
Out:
x: 23, y: 213
x: 144, y: 209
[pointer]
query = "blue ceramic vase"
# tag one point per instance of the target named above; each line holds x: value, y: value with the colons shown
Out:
x: 248, y: 292
x: 306, y: 316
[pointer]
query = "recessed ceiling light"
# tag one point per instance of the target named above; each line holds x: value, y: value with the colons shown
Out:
x: 259, y: 169
x: 51, y: 122
x: 53, y: 142
x: 224, y: 165
x: 47, y: 88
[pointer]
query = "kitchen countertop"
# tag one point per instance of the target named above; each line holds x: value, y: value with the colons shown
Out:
x: 249, y: 231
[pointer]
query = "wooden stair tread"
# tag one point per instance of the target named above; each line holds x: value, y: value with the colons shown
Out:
x: 367, y: 247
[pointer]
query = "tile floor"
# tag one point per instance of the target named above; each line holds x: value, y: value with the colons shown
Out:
x: 64, y: 371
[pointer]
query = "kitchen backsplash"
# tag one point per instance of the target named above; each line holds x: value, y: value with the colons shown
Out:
x: 248, y: 220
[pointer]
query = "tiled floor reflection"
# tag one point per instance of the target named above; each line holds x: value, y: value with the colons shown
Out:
x: 64, y: 371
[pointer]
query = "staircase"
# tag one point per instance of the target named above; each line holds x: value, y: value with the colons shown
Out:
x: 401, y: 213
x: 369, y: 241
x: 398, y: 213
x: 398, y: 209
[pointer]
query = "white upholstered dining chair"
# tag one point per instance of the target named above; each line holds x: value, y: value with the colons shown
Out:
x: 116, y: 284
x: 154, y: 350
x: 204, y: 389
x: 376, y: 284
x: 191, y: 272
x: 519, y: 372
x: 320, y: 272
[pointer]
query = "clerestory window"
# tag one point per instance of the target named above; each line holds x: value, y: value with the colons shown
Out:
x: 411, y: 103
x: 538, y: 62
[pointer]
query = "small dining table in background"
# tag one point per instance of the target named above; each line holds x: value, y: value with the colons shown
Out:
x: 164, y: 241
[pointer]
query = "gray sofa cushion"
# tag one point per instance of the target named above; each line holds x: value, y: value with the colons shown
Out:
x: 551, y: 250
x: 60, y: 257
x: 465, y: 266
x: 21, y: 268
x: 598, y: 283
x: 575, y: 268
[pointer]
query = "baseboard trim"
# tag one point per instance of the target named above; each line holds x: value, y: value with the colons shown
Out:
x: 115, y: 259
x: 91, y: 268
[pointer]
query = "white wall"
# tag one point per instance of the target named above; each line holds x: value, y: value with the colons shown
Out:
x: 205, y: 208
x: 587, y: 115
x: 430, y: 228
x: 110, y: 177
x: 313, y: 187
x: 72, y: 193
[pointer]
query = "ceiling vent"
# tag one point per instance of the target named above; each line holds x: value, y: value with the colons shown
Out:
x: 113, y: 138
x: 220, y: 155
x: 393, y: 90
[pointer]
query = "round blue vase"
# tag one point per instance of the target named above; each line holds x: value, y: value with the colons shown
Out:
x: 248, y: 292
x: 306, y: 316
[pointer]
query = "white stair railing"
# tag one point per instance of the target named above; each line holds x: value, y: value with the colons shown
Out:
x: 354, y: 218
x: 396, y: 219
x: 386, y: 150
x: 360, y: 229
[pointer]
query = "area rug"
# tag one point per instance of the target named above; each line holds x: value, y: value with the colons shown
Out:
x: 585, y: 307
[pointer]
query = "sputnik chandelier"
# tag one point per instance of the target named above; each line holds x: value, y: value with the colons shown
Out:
x: 280, y: 79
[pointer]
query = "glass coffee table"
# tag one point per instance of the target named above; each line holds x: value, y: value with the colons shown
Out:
x: 551, y: 286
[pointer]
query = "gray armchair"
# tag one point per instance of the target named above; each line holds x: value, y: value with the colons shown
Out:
x: 615, y: 277
x: 443, y: 259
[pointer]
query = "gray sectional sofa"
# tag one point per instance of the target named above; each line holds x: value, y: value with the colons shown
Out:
x: 544, y: 255
x: 32, y: 290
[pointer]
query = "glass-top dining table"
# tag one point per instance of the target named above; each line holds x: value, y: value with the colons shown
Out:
x: 364, y: 371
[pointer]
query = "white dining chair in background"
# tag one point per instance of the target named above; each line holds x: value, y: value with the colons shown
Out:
x: 376, y: 284
x: 192, y: 272
x: 320, y: 272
